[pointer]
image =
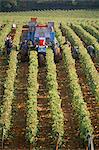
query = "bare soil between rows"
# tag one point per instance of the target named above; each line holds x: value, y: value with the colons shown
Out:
x: 71, y: 139
x: 92, y: 105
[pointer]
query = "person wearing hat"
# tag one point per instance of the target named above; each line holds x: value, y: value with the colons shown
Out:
x: 24, y: 47
x: 8, y: 44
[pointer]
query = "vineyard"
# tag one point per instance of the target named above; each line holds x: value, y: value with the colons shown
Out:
x: 55, y: 106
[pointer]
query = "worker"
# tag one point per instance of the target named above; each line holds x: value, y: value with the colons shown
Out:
x: 75, y: 52
x: 24, y: 45
x: 91, y: 51
x: 60, y: 25
x: 14, y: 26
x: 13, y: 29
x: 8, y: 44
x: 24, y: 51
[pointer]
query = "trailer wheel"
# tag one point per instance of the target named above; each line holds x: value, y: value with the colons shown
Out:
x: 41, y: 60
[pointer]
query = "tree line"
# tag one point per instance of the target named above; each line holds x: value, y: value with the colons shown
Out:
x: 18, y: 5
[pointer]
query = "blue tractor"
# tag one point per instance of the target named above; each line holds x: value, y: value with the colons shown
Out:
x: 40, y: 37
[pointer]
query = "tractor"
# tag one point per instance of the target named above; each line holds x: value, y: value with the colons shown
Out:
x: 41, y: 37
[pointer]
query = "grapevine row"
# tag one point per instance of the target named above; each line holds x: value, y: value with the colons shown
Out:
x: 78, y: 103
x: 3, y: 34
x: 9, y: 85
x: 87, y: 37
x: 87, y: 64
x: 94, y: 32
x: 55, y: 101
x: 8, y: 96
x: 32, y: 121
x: 96, y: 26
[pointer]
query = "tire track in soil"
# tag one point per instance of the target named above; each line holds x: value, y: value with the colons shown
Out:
x: 44, y: 141
x: 93, y: 107
x: 18, y: 130
x: 71, y: 132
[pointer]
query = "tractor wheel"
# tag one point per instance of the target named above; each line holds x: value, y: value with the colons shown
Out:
x: 41, y: 60
x: 24, y: 56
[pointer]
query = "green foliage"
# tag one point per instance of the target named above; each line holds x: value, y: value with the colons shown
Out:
x: 8, y: 5
x: 12, y: 5
x: 91, y: 30
x: 32, y: 121
x: 55, y: 101
x: 3, y: 33
x: 5, y: 120
x: 87, y: 37
x: 87, y: 64
x: 95, y: 26
x: 78, y: 103
x: 16, y: 40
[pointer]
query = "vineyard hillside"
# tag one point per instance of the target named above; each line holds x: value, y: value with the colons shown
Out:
x: 54, y: 106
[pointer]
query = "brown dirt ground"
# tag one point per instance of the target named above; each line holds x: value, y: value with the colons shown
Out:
x: 93, y: 107
x: 71, y: 136
x: 18, y: 130
x: 44, y: 141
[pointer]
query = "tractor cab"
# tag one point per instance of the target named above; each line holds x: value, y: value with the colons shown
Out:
x: 40, y: 37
